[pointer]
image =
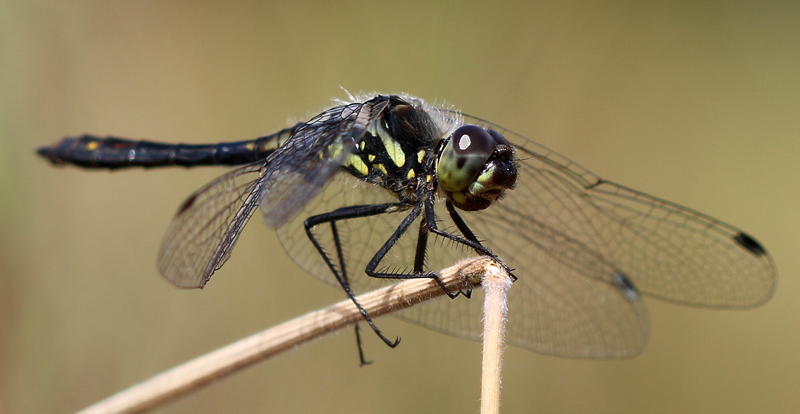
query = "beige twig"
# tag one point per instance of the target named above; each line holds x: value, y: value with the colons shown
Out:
x: 218, y: 364
x: 496, y: 283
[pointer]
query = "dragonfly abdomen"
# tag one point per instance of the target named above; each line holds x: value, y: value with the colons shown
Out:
x: 90, y: 151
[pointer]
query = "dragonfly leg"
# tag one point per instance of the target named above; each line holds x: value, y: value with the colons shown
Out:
x: 341, y: 273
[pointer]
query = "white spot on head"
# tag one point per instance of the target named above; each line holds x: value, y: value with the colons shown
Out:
x: 464, y: 142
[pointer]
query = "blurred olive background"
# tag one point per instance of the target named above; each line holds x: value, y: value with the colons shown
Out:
x: 696, y: 102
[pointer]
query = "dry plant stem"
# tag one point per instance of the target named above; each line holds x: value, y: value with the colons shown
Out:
x: 496, y: 283
x: 218, y: 364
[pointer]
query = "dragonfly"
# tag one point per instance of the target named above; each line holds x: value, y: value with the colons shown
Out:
x: 386, y: 187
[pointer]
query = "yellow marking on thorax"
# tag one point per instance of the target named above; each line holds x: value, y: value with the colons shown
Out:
x: 334, y: 150
x: 380, y: 168
x: 411, y: 174
x: 358, y: 164
x: 421, y: 155
x: 393, y: 148
x: 91, y: 146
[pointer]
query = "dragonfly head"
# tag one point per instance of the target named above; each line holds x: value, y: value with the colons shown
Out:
x: 475, y: 167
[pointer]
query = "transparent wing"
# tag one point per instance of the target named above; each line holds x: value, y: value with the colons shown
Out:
x: 569, y: 236
x: 560, y: 311
x: 205, y: 228
x: 299, y: 169
x: 668, y: 251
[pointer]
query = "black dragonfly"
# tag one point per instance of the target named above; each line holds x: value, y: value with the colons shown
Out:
x: 390, y: 187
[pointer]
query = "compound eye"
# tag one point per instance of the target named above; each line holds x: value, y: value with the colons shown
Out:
x: 472, y: 140
x: 464, y: 157
x: 499, y: 139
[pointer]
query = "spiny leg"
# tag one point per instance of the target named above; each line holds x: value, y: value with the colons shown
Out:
x: 341, y: 277
x: 419, y: 258
x: 468, y: 239
x: 343, y: 268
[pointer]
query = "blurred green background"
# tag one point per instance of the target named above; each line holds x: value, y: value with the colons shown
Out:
x: 696, y: 102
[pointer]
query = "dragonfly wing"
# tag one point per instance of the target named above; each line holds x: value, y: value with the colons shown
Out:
x: 208, y: 223
x: 205, y: 228
x: 583, y: 248
x: 300, y: 168
x: 668, y: 251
